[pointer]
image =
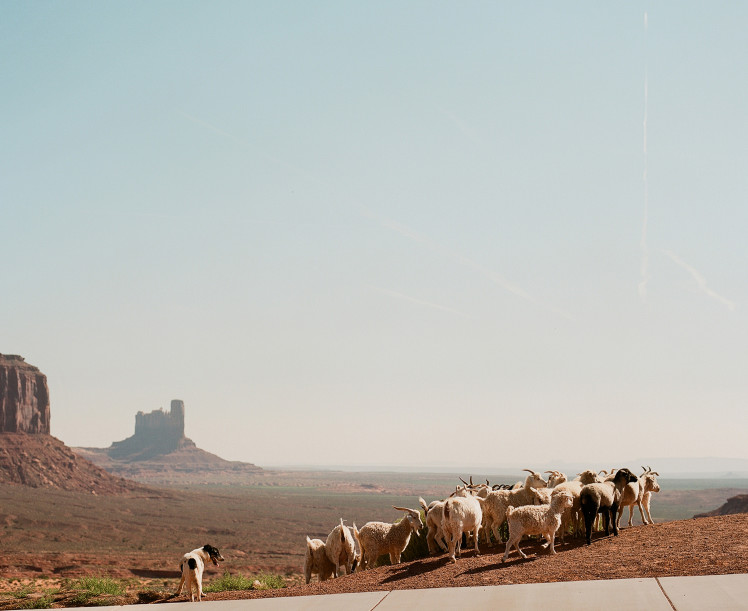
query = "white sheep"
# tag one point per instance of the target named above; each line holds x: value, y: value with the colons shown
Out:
x: 571, y: 517
x: 377, y: 538
x: 497, y: 502
x: 434, y: 513
x: 462, y: 514
x: 536, y: 520
x: 340, y: 548
x: 590, y: 476
x: 316, y: 561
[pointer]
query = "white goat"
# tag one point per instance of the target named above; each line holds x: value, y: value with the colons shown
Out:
x: 340, y: 548
x: 377, y: 538
x: 434, y: 513
x: 556, y: 478
x: 536, y: 520
x: 497, y: 502
x: 316, y: 561
x: 462, y: 514
x: 647, y: 485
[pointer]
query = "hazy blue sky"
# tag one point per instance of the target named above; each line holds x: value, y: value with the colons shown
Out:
x: 382, y: 232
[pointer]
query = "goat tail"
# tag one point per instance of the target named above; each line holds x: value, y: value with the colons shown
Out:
x: 355, y: 534
x: 446, y: 509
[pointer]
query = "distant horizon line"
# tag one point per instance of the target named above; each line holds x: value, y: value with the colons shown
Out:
x: 713, y: 467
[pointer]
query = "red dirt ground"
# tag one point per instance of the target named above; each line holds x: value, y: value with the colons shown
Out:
x: 705, y: 546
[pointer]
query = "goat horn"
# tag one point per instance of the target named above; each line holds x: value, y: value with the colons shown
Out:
x: 463, y: 481
x: 471, y: 480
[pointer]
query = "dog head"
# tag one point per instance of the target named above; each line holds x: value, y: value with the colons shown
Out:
x: 213, y: 553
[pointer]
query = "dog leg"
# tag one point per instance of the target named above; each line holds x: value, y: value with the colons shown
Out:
x: 181, y: 583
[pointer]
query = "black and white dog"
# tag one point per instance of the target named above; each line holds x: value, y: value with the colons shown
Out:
x: 192, y: 566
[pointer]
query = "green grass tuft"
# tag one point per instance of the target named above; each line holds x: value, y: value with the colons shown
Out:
x: 239, y: 582
x: 95, y: 586
x: 23, y: 592
x: 43, y: 602
x: 270, y: 582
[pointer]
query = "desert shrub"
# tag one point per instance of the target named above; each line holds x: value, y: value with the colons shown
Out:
x: 270, y: 582
x: 95, y: 586
x: 265, y: 581
x: 229, y: 582
x: 88, y: 588
x: 42, y: 602
x: 23, y: 592
x: 80, y: 599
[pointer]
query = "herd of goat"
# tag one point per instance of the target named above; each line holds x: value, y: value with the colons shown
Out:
x: 532, y: 507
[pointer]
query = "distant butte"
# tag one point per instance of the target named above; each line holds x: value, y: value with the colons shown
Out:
x: 159, y: 453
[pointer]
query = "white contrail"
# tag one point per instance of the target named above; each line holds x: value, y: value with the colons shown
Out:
x: 700, y: 280
x: 644, y: 248
x: 415, y: 300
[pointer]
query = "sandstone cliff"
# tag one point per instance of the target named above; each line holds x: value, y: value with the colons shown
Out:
x: 735, y: 504
x: 24, y: 397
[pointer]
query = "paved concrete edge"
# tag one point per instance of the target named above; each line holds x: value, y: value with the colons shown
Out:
x: 703, y: 592
x: 723, y: 592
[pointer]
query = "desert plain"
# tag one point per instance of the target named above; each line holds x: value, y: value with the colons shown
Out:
x: 260, y: 524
